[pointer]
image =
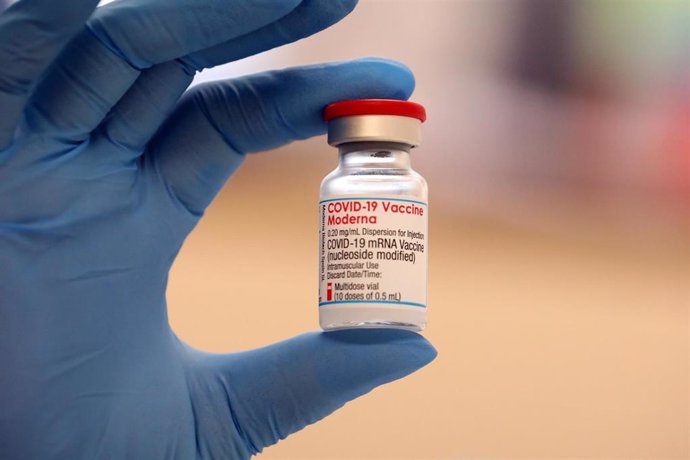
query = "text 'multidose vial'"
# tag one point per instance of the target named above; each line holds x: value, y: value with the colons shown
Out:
x: 373, y: 215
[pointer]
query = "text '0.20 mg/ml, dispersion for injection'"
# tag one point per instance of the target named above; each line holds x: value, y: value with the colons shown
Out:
x: 373, y: 215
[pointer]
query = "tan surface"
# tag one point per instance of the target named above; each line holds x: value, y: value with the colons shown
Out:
x: 547, y: 348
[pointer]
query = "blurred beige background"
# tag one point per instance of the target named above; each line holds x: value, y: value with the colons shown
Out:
x: 558, y: 156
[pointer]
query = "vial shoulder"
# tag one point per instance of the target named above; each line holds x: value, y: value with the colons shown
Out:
x: 404, y: 182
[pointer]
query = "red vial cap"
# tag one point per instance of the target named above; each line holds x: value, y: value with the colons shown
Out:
x: 374, y: 107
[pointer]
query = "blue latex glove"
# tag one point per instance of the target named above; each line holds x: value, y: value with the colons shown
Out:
x: 105, y: 167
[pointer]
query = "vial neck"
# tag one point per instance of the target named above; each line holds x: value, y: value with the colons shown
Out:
x: 378, y: 155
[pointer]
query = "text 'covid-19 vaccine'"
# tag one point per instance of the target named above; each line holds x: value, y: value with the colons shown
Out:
x: 373, y: 214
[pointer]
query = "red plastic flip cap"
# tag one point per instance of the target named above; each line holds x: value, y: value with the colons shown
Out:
x: 374, y: 107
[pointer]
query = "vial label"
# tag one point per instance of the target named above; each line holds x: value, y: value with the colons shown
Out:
x: 373, y: 250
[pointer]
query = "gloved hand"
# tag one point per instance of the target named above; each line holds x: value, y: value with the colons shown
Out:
x: 105, y: 167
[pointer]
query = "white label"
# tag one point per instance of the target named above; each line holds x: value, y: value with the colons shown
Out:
x: 372, y: 250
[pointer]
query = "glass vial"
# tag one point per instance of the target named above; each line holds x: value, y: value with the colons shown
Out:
x: 373, y: 214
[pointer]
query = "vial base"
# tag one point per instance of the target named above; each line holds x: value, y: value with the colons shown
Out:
x: 333, y: 318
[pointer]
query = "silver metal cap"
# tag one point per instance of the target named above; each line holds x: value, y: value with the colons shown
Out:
x: 363, y: 128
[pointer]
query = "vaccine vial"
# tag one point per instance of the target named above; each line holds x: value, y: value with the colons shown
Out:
x: 373, y: 213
